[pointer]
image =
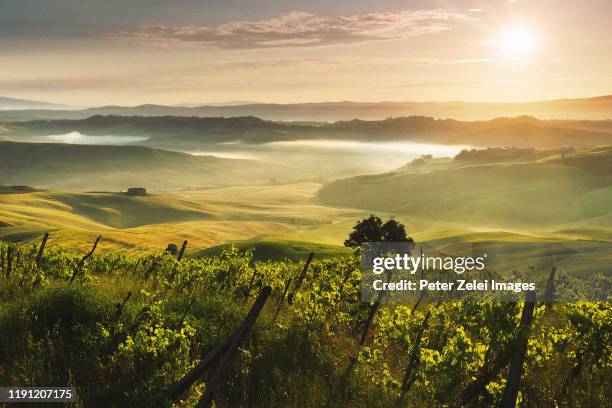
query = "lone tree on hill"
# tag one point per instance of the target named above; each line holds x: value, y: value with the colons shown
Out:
x: 373, y: 230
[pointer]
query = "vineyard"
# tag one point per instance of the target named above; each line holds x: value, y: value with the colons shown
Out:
x: 168, y: 329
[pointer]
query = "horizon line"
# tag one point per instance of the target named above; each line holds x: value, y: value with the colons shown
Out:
x: 228, y: 104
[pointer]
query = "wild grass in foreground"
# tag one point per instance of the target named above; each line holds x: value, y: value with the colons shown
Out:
x: 123, y: 329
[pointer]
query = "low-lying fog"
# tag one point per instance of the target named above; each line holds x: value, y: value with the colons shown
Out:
x: 317, y: 158
x: 334, y: 154
x: 79, y: 138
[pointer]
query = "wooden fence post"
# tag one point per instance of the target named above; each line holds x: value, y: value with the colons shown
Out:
x: 215, y: 381
x: 248, y: 291
x: 520, y: 350
x: 282, y: 298
x: 41, y: 249
x: 373, y: 309
x: 182, y: 251
x: 86, y: 257
x: 413, y: 361
x: 178, y: 259
x: 298, y: 283
x: 121, y: 305
x: 9, y: 260
x: 419, y: 300
x: 490, y: 370
x: 213, y: 356
x: 151, y: 269
x: 134, y: 269
x: 549, y: 292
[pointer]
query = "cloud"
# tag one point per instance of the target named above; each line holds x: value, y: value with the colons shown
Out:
x: 432, y: 84
x: 299, y: 29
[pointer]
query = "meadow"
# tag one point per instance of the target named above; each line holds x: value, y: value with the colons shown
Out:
x: 205, y: 217
x: 524, y: 197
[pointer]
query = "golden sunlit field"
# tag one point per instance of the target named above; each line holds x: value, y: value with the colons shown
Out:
x: 205, y: 217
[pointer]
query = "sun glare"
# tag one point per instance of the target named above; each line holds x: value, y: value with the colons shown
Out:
x: 517, y: 42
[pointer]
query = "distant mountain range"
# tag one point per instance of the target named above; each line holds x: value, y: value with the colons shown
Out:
x: 192, y: 133
x: 20, y: 104
x: 597, y: 108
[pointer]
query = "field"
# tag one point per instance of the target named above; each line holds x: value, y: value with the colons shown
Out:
x: 74, y: 167
x: 127, y: 325
x: 205, y: 217
x: 545, y: 202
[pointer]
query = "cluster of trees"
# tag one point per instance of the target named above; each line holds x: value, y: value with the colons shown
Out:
x: 373, y: 229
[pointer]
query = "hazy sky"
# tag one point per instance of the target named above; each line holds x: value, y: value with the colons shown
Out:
x: 127, y: 52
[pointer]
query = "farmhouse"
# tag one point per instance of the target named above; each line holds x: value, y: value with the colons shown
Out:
x: 137, y: 191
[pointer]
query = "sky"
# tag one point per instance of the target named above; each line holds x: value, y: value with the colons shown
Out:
x: 91, y: 53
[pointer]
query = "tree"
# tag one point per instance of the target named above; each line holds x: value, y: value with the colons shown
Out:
x: 372, y: 229
x: 393, y: 231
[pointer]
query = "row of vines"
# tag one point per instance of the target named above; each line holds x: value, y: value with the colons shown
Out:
x: 125, y: 330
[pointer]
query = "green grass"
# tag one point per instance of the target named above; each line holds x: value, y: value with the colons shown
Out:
x: 279, y: 249
x: 122, y: 211
x: 58, y: 332
x: 550, y: 201
x: 523, y: 196
x: 115, y: 168
x: 205, y: 217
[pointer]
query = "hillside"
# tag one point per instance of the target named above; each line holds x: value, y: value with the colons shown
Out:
x: 523, y: 131
x: 597, y: 108
x: 115, y: 168
x: 597, y: 160
x: 24, y: 104
x: 164, y: 129
x: 186, y: 133
x: 551, y: 194
x: 263, y: 216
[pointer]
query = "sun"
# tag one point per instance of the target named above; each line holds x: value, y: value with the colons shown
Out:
x: 517, y: 42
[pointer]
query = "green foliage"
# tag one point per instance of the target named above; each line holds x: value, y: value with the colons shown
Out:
x: 121, y: 350
x: 372, y: 229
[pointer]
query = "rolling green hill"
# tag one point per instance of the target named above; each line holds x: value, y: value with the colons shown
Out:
x: 478, y: 156
x: 278, y: 220
x: 115, y: 168
x: 279, y: 249
x: 552, y: 194
x: 183, y: 129
x: 547, y: 212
